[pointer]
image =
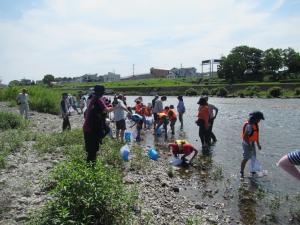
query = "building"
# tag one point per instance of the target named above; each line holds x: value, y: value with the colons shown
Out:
x: 183, y: 72
x: 111, y: 77
x: 89, y: 78
x: 159, y: 72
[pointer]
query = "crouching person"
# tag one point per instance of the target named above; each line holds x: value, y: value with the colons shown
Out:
x: 183, y: 149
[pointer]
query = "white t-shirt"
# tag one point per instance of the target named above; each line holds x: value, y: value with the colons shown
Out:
x: 119, y: 111
x: 22, y: 98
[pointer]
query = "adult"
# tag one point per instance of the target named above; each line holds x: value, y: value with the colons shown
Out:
x: 289, y: 163
x: 119, y: 117
x: 158, y: 108
x: 82, y: 103
x: 202, y: 122
x: 172, y: 118
x: 213, y: 112
x: 250, y: 136
x: 65, y: 112
x: 95, y: 127
x: 22, y: 101
x: 73, y: 102
x: 180, y: 110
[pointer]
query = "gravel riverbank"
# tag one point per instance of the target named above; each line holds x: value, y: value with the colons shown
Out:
x: 160, y: 186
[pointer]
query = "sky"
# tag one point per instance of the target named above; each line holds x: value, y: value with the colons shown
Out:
x: 69, y: 38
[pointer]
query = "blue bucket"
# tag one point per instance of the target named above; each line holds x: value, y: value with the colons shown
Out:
x: 127, y: 136
x: 153, y: 154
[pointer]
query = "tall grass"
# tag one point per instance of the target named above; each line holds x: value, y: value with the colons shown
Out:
x: 41, y: 99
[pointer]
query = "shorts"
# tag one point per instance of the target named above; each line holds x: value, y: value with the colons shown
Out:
x: 248, y: 151
x: 121, y: 124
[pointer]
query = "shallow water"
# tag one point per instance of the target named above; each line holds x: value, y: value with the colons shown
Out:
x: 279, y: 134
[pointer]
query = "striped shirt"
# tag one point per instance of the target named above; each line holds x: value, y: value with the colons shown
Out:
x: 294, y: 157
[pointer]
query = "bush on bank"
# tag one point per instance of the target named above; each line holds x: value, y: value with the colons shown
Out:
x: 83, y: 194
x: 11, y: 121
x: 275, y: 91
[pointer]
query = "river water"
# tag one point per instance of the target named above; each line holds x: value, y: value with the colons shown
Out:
x: 279, y: 134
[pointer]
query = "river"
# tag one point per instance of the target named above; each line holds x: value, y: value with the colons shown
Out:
x: 253, y: 200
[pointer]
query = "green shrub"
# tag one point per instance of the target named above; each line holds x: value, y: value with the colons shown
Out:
x: 214, y: 91
x: 297, y: 91
x: 205, y: 92
x: 11, y: 121
x: 251, y: 90
x: 191, y: 92
x: 83, y: 194
x: 275, y: 91
x: 222, y: 92
x: 241, y: 94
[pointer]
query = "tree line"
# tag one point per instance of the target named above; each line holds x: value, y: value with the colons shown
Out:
x: 248, y: 63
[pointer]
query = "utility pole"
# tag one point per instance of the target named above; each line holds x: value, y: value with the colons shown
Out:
x: 133, y: 70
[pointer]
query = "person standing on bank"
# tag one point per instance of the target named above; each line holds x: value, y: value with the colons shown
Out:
x: 95, y: 127
x: 22, y: 101
x: 119, y: 117
x: 250, y: 136
x: 213, y: 112
x: 65, y: 112
x: 180, y: 110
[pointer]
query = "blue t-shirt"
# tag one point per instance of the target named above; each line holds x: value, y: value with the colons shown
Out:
x: 294, y: 157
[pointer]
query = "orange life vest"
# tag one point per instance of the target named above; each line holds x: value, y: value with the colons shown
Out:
x: 161, y: 115
x: 172, y: 114
x: 138, y: 108
x: 254, y: 136
x: 147, y: 111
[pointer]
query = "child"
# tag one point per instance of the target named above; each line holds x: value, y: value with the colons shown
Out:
x: 183, y: 148
x: 250, y: 136
x: 172, y: 118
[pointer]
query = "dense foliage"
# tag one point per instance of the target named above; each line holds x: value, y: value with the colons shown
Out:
x: 248, y: 63
x: 41, y: 99
x: 83, y: 194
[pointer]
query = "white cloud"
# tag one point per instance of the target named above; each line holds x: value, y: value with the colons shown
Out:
x: 72, y: 37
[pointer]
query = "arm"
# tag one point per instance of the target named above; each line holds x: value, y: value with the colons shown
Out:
x: 258, y: 145
x: 216, y: 112
x: 287, y: 166
x: 196, y: 152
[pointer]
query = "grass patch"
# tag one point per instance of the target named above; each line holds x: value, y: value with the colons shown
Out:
x: 10, y: 141
x: 58, y: 141
x: 11, y: 121
x: 84, y: 194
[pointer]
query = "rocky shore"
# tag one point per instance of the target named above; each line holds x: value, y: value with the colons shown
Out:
x: 160, y: 186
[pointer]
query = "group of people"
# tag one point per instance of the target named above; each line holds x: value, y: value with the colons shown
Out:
x: 96, y: 125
